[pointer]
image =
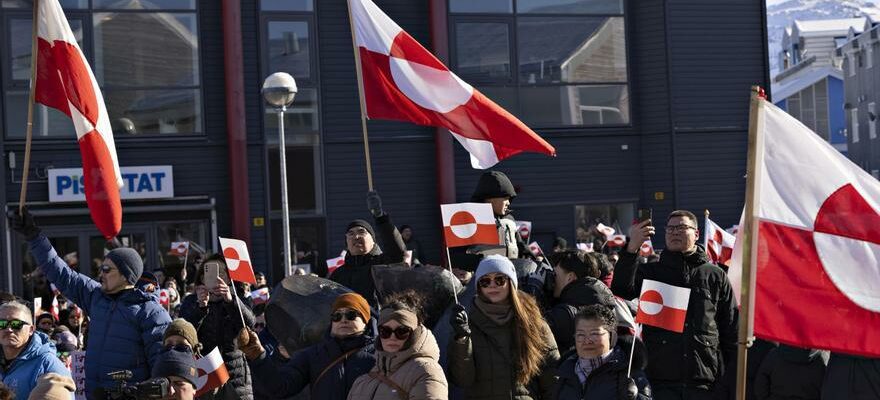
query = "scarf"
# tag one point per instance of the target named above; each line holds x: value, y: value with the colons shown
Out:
x: 585, y: 366
x: 500, y: 314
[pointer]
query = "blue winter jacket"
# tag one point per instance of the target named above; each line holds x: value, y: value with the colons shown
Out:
x: 125, y: 329
x: 37, y: 359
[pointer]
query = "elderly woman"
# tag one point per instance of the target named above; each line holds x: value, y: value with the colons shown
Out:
x: 407, y: 359
x: 502, y: 337
x: 330, y: 367
x: 598, y: 370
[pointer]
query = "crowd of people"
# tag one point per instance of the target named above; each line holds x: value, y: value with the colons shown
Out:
x: 525, y: 326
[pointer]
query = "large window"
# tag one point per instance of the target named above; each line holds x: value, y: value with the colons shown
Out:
x: 144, y: 54
x: 810, y: 106
x: 553, y: 63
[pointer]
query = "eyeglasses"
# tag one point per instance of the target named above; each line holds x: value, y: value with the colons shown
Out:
x: 63, y: 354
x: 356, y: 232
x: 401, y: 332
x: 679, y: 228
x: 14, y: 324
x: 500, y: 280
x: 105, y: 269
x: 349, y: 315
x: 593, y: 336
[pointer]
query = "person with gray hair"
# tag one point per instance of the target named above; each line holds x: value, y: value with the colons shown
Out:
x: 28, y: 354
x: 127, y: 325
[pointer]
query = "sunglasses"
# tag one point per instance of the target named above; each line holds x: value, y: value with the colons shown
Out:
x: 63, y: 354
x: 14, y: 324
x: 349, y: 315
x: 401, y: 332
x: 500, y: 280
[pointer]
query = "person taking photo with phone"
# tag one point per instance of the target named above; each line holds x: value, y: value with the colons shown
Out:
x: 214, y: 311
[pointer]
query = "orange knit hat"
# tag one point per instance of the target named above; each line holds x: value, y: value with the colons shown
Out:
x: 353, y: 301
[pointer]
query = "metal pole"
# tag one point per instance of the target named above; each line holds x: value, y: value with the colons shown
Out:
x: 285, y: 212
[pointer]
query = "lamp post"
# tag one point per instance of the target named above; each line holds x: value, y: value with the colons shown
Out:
x: 279, y: 89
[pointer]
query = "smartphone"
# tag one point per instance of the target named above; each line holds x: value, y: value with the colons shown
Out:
x: 212, y: 274
x: 646, y: 214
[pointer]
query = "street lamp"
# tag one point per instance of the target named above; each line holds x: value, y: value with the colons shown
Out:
x: 279, y: 89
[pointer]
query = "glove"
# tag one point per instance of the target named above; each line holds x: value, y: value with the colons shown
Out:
x: 539, y: 276
x: 374, y: 203
x: 249, y: 344
x: 459, y: 321
x: 23, y: 223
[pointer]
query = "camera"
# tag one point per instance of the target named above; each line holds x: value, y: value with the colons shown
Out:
x: 156, y: 388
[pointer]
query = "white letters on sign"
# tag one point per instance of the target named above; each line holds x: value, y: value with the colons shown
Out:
x: 145, y: 182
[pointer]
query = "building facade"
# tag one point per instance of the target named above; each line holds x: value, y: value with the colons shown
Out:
x: 646, y: 103
x: 861, y: 88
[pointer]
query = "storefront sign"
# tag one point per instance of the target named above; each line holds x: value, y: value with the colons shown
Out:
x: 145, y: 182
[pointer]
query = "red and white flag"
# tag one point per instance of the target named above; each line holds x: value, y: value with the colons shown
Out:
x: 664, y: 306
x: 212, y: 372
x: 66, y: 83
x: 587, y: 247
x: 179, y: 248
x: 164, y: 298
x: 817, y: 250
x: 404, y: 82
x: 535, y: 249
x: 465, y: 224
x: 718, y: 243
x: 525, y: 229
x: 407, y: 257
x: 646, y: 249
x: 334, y: 263
x: 238, y: 260
x: 616, y: 241
x: 605, y: 230
x: 55, y: 310
x: 260, y: 296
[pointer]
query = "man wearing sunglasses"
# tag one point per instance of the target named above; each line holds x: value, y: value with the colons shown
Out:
x: 689, y: 365
x: 126, y: 324
x: 27, y: 353
x: 330, y: 367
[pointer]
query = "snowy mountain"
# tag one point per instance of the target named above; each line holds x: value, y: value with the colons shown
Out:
x: 781, y: 13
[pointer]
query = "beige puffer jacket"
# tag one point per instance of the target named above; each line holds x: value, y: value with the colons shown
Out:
x: 415, y: 369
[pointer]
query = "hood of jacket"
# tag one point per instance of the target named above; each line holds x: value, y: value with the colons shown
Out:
x: 797, y: 355
x: 586, y: 291
x: 493, y: 184
x: 423, y: 345
x: 38, y: 345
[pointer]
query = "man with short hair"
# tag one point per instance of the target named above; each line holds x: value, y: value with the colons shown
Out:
x: 27, y: 353
x: 688, y: 365
x: 126, y: 326
x: 363, y: 252
x: 179, y: 367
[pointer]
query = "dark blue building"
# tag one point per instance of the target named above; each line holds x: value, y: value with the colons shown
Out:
x: 645, y: 101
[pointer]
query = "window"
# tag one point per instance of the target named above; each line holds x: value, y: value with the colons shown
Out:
x: 869, y: 56
x: 553, y: 63
x: 616, y: 215
x: 145, y: 57
x: 872, y: 121
x: 852, y: 64
x: 854, y: 117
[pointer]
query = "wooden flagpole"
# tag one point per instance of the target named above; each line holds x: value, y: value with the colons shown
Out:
x: 750, y: 239
x: 22, y: 197
x: 360, y: 81
x: 449, y: 263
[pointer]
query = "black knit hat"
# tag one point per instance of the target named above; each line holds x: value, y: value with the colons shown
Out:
x: 493, y: 184
x: 363, y: 224
x: 177, y: 363
x: 129, y: 263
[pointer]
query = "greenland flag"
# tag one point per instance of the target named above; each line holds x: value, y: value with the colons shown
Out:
x: 524, y: 228
x: 818, y: 241
x: 238, y: 260
x: 66, y: 83
x: 616, y: 241
x: 646, y: 249
x: 405, y: 82
x: 536, y: 249
x: 334, y: 263
x: 465, y: 224
x: 718, y: 243
x: 212, y: 372
x: 664, y: 306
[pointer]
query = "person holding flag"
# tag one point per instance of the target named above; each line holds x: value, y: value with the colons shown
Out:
x: 496, y: 189
x: 218, y: 314
x: 691, y: 364
x: 126, y: 323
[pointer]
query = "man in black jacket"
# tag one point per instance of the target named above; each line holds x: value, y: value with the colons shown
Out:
x: 363, y: 252
x: 688, y: 365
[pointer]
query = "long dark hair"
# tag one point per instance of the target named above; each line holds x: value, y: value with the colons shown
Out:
x: 529, y: 334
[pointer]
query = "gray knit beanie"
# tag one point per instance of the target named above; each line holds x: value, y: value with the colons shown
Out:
x: 499, y: 264
x: 129, y: 263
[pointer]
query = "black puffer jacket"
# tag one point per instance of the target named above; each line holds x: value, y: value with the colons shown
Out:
x: 851, y: 378
x: 606, y: 382
x: 218, y: 325
x: 697, y: 357
x: 791, y: 373
x: 582, y: 292
x: 357, y: 274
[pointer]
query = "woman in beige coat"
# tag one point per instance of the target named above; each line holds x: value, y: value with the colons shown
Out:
x: 407, y: 357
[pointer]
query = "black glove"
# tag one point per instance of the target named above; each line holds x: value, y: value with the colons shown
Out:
x: 459, y: 321
x: 23, y: 223
x: 374, y: 203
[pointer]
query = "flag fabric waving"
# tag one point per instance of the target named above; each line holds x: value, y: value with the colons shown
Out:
x: 465, y: 224
x: 334, y: 263
x: 260, y: 296
x: 818, y: 241
x: 238, y: 260
x: 179, y: 248
x: 66, y: 83
x: 646, y: 249
x: 403, y: 81
x: 718, y: 243
x: 525, y: 229
x: 212, y: 372
x: 664, y: 306
x: 616, y: 241
x: 535, y: 248
x: 605, y: 230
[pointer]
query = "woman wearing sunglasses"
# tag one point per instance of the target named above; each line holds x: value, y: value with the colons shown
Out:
x: 330, y: 367
x: 502, y: 348
x: 407, y: 357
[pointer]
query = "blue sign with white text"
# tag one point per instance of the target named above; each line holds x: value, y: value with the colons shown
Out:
x: 145, y: 182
